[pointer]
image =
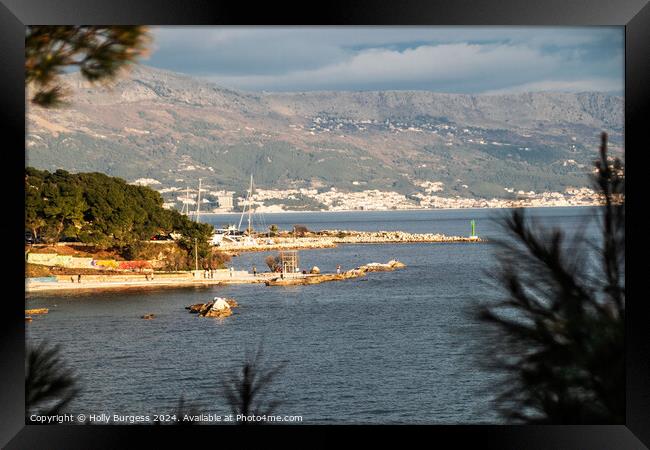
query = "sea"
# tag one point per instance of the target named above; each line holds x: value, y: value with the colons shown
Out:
x: 392, y: 347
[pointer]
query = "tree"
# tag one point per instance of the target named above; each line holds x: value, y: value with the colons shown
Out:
x: 273, y: 262
x: 196, y: 236
x: 561, y: 327
x: 49, y: 384
x: 108, y: 212
x: 34, y: 218
x: 98, y: 51
x: 245, y: 391
x: 300, y: 230
x: 63, y: 206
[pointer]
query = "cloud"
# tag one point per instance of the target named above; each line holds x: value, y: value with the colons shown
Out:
x: 446, y: 59
x: 582, y: 85
x: 441, y: 65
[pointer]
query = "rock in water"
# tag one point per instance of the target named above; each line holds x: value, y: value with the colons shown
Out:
x: 198, y: 307
x: 219, y: 307
x: 148, y: 316
x: 220, y: 314
x: 220, y: 303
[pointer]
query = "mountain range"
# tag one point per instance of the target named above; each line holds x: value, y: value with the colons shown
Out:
x: 173, y: 128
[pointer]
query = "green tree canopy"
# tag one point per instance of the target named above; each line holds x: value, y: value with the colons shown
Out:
x: 103, y: 210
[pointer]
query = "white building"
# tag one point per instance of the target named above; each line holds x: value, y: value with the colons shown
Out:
x: 145, y: 182
x: 225, y: 201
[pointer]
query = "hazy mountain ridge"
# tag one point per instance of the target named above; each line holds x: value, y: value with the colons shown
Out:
x: 515, y: 110
x: 170, y: 127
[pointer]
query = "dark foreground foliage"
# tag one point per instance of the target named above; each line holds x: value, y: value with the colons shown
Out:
x: 49, y: 384
x: 99, y: 52
x: 247, y: 392
x: 561, y: 325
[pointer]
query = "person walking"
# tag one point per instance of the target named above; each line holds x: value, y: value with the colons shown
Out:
x: 79, y: 278
x: 338, y: 269
x: 254, y: 271
x: 230, y: 271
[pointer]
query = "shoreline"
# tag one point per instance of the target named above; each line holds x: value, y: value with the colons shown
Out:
x: 121, y: 285
x: 396, y: 210
x: 131, y: 282
x: 92, y: 282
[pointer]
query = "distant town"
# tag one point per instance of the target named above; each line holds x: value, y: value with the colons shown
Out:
x: 332, y: 199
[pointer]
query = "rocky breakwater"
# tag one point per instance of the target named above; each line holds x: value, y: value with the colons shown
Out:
x: 332, y: 238
x: 378, y: 237
x: 220, y: 307
x: 379, y: 267
x: 308, y: 279
x: 322, y: 278
x: 278, y: 243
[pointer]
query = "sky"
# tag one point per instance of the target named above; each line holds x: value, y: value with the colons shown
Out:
x: 470, y: 60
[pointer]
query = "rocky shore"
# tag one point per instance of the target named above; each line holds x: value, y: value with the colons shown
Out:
x: 300, y: 279
x: 332, y: 238
x: 390, y: 237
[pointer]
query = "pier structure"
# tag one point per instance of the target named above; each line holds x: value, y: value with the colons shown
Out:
x: 289, y: 262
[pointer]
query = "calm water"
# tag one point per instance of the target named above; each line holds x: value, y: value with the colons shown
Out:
x: 391, y: 347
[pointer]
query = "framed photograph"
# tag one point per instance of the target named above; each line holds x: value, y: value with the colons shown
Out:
x: 383, y: 218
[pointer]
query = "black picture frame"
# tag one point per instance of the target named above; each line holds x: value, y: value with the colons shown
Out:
x: 634, y: 15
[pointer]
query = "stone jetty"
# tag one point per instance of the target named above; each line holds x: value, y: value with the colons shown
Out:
x: 332, y: 238
x: 379, y: 267
x: 383, y: 237
x: 304, y: 279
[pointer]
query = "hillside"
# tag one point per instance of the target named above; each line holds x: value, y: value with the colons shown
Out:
x: 174, y: 129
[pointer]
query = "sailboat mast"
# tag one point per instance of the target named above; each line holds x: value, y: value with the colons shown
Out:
x: 183, y: 207
x: 250, y: 230
x: 198, y: 202
x: 243, y: 211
